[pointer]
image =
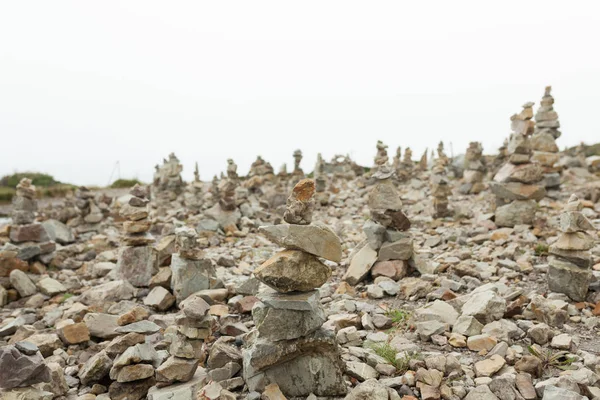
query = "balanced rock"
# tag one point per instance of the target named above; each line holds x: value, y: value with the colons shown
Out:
x: 293, y: 270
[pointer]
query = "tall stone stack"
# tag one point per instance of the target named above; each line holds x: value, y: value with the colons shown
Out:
x: 191, y: 270
x: 90, y: 213
x: 288, y: 345
x: 570, y: 260
x: 440, y: 188
x: 24, y: 205
x: 322, y: 196
x: 423, y: 161
x: 381, y: 158
x: 405, y: 168
x: 168, y: 183
x: 475, y: 170
x: 137, y: 259
x: 545, y: 150
x: 389, y: 247
x: 518, y: 185
x: 298, y: 172
x: 397, y: 158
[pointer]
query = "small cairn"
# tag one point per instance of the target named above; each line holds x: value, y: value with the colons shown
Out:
x: 137, y: 259
x: 196, y: 173
x: 570, y: 260
x: 545, y: 150
x: 500, y: 158
x: 381, y: 158
x: 388, y: 248
x: 442, y: 157
x: 168, y: 183
x: 298, y: 172
x: 519, y: 183
x: 423, y: 164
x: 475, y: 170
x: 89, y: 210
x: 320, y: 181
x: 397, y: 159
x: 24, y: 227
x: 405, y: 168
x: 288, y: 339
x: 440, y: 188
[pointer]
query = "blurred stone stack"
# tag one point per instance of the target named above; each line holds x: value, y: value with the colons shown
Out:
x: 167, y: 180
x: 322, y: 196
x: 90, y: 213
x: 22, y: 366
x: 475, y: 170
x: 440, y: 188
x: 288, y: 345
x: 24, y: 228
x: 298, y: 173
x: 519, y: 183
x: 389, y: 248
x: 545, y: 150
x: 137, y: 259
x: 405, y: 168
x: 191, y: 269
x: 381, y: 158
x: 570, y: 261
x: 187, y: 349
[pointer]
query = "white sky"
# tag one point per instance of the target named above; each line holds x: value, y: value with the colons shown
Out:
x: 86, y: 84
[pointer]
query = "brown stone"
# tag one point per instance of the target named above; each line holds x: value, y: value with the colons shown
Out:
x: 74, y: 333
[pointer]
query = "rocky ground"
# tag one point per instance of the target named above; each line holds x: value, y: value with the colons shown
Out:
x: 469, y: 317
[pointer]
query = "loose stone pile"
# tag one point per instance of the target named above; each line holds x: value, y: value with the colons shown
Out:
x: 137, y: 259
x: 519, y: 183
x: 475, y: 170
x: 388, y: 248
x: 545, y: 150
x: 440, y: 189
x: 569, y: 265
x: 288, y: 346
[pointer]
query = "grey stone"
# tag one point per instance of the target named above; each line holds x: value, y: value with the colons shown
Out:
x: 102, y: 325
x: 137, y: 264
x: 190, y: 276
x: 518, y: 212
x: 360, y: 265
x: 398, y: 250
x: 96, y: 368
x: 144, y: 327
x: 316, y: 239
x: 486, y: 306
x: 375, y: 233
x: 58, y: 232
x: 20, y: 281
x: 19, y: 369
x: 110, y: 291
x: 50, y: 287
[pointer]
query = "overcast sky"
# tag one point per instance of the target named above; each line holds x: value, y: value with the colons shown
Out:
x: 84, y: 85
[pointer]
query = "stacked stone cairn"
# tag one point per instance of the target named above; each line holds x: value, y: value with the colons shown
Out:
x: 545, y: 150
x: 397, y: 158
x: 89, y: 211
x: 500, y: 158
x: 389, y: 248
x: 519, y: 183
x: 322, y: 196
x: 570, y: 260
x: 475, y: 170
x: 22, y: 367
x: 227, y: 187
x: 423, y: 164
x: 298, y: 172
x: 193, y: 197
x: 137, y: 259
x: 288, y: 345
x: 405, y: 168
x: 440, y: 188
x: 381, y: 158
x: 24, y: 206
x: 168, y: 183
x: 133, y: 371
x: 191, y: 270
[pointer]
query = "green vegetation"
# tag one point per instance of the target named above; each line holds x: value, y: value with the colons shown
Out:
x: 541, y: 249
x: 125, y: 183
x: 66, y: 296
x: 386, y: 351
x: 550, y: 358
x: 45, y: 184
x: 399, y: 317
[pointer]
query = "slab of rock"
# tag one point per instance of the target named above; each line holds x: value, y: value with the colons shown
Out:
x: 74, y: 333
x: 486, y: 306
x: 316, y: 239
x: 518, y: 212
x: 190, y: 276
x: 58, y: 232
x: 96, y: 368
x: 360, y: 265
x: 159, y: 298
x: 21, y: 282
x: 50, y: 287
x: 399, y: 250
x: 22, y: 365
x: 28, y: 233
x: 110, y: 291
x: 176, y: 369
x: 293, y: 270
x: 102, y: 325
x: 137, y: 264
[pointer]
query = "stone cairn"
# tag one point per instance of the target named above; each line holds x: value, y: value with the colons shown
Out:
x: 322, y: 197
x: 440, y: 188
x: 88, y: 209
x: 423, y: 164
x: 196, y: 173
x: 397, y: 158
x: 381, y: 158
x: 405, y: 168
x: 298, y: 172
x: 137, y: 259
x: 500, y: 158
x: 570, y: 260
x: 24, y: 206
x: 545, y: 150
x: 475, y: 170
x: 22, y: 367
x: 389, y: 248
x: 168, y: 183
x: 288, y: 345
x: 519, y: 183
x: 227, y: 187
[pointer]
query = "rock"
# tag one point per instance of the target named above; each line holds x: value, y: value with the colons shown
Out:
x: 28, y: 233
x: 518, y: 212
x: 121, y: 343
x: 58, y: 383
x: 137, y: 264
x: 190, y: 276
x: 565, y: 277
x: 562, y: 342
x: 131, y: 390
x: 300, y: 204
x: 490, y: 366
x: 552, y: 392
x: 96, y: 368
x: 180, y: 391
x: 272, y: 392
x: 194, y: 307
x: 20, y: 281
x: 518, y: 191
x: 46, y: 342
x: 481, y: 392
x: 29, y: 393
x: 360, y: 265
x: 481, y: 342
x: 486, y: 306
x: 293, y: 270
x: 530, y: 365
x: 144, y: 327
x: 50, y: 287
x: 394, y: 269
x: 525, y: 386
x: 375, y: 234
x: 368, y: 390
x: 135, y: 372
x: 467, y: 325
x: 361, y: 371
x: 58, y: 232
x: 110, y: 291
x: 540, y: 333
x: 398, y: 250
x: 285, y: 317
x: 20, y: 368
x: 101, y: 325
x: 74, y: 333
x: 159, y: 298
x: 438, y: 311
x: 316, y: 239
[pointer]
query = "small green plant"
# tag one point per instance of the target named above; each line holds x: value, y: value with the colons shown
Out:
x: 541, y: 249
x: 399, y: 317
x: 66, y: 296
x: 387, y: 352
x: 124, y: 183
x: 550, y: 358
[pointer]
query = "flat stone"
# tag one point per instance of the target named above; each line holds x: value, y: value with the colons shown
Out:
x: 360, y: 265
x: 137, y: 265
x: 58, y: 232
x: 96, y: 368
x: 50, y: 287
x: 144, y: 327
x: 316, y: 239
x: 176, y: 369
x: 190, y: 276
x: 486, y: 306
x: 28, y: 233
x: 398, y: 250
x: 21, y: 282
x: 159, y: 298
x: 293, y: 270
x: 18, y: 369
x: 111, y: 291
x: 518, y: 212
x: 101, y: 325
x: 490, y: 366
x: 74, y: 333
x: 565, y: 277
